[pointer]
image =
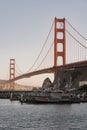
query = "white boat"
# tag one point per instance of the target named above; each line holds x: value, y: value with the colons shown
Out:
x: 54, y: 97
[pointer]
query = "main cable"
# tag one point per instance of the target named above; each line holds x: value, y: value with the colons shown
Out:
x: 45, y: 55
x: 41, y: 49
x: 76, y: 39
x: 76, y: 30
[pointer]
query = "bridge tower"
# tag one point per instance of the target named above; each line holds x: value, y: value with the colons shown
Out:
x: 59, y: 41
x: 12, y: 73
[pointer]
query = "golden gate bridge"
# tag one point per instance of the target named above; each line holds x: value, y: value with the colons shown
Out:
x: 65, y: 50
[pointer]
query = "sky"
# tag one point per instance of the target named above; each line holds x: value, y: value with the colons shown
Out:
x: 24, y: 25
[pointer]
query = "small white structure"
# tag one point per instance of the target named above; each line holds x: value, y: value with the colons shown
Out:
x: 81, y: 83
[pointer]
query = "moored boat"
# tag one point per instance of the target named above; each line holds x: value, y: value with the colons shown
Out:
x: 52, y: 97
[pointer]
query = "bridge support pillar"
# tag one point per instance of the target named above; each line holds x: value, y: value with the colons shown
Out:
x: 59, y: 43
x: 12, y: 73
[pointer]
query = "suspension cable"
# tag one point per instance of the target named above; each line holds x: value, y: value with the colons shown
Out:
x: 45, y: 55
x: 76, y: 30
x: 41, y: 49
x: 76, y: 39
x: 18, y: 70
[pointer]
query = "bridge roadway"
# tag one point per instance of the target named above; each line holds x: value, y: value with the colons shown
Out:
x: 51, y: 70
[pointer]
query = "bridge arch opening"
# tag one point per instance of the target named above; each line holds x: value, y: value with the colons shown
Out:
x: 60, y: 47
x: 60, y: 35
x: 60, y: 60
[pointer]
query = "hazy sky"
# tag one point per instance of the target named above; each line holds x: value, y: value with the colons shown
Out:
x: 24, y: 25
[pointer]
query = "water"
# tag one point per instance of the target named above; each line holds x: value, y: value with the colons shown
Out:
x: 16, y: 116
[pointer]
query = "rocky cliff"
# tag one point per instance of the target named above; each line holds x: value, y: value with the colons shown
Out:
x: 70, y: 78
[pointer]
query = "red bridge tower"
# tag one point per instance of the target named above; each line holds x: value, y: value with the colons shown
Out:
x: 12, y: 73
x: 59, y: 40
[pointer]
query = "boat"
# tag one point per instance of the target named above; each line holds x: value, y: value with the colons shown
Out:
x: 59, y: 98
x: 52, y: 97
